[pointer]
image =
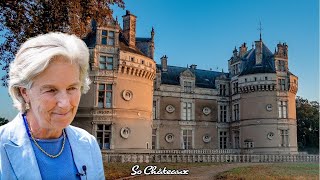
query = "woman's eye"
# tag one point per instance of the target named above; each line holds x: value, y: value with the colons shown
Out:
x: 50, y: 91
x: 73, y: 88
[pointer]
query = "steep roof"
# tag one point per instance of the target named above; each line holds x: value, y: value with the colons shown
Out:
x: 124, y: 45
x: 266, y: 66
x: 140, y: 39
x: 204, y: 78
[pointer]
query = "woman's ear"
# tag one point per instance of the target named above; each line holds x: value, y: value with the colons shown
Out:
x: 23, y: 92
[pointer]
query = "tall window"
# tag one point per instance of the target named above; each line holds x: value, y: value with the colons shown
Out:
x: 154, y: 109
x: 104, y: 135
x: 223, y: 113
x: 107, y: 38
x: 154, y: 138
x: 223, y: 139
x: 187, y: 138
x: 235, y: 69
x: 235, y: 87
x: 282, y: 105
x: 284, y: 138
x: 281, y: 65
x: 236, y: 112
x: 105, y: 96
x: 187, y: 110
x: 187, y: 85
x: 222, y: 89
x: 106, y: 62
x: 236, y: 140
x: 282, y: 84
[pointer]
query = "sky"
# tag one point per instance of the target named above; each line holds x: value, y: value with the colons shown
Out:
x: 206, y: 32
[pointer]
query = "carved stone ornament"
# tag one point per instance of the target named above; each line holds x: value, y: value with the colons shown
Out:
x: 270, y: 135
x: 169, y: 137
x: 206, y: 110
x: 125, y: 132
x: 170, y: 108
x: 206, y: 138
x: 127, y: 95
x: 269, y: 107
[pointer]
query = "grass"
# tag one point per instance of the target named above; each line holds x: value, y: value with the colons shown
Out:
x: 118, y: 170
x: 282, y: 171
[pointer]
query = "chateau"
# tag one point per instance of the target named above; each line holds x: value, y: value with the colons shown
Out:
x: 136, y: 105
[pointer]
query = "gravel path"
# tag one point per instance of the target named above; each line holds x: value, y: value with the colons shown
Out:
x: 195, y: 173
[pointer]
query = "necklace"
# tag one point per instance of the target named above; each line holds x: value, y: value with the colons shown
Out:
x: 42, y: 150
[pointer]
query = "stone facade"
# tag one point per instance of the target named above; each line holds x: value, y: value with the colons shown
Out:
x: 117, y: 110
x: 136, y: 105
x: 251, y: 108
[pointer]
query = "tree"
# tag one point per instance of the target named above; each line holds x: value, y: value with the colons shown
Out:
x: 22, y: 19
x: 3, y: 121
x: 308, y: 124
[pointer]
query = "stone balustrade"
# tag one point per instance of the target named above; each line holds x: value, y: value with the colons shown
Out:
x: 203, y: 157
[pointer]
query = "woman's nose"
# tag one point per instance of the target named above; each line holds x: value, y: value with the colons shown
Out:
x: 63, y: 100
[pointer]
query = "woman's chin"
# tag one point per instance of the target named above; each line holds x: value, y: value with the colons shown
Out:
x: 63, y: 120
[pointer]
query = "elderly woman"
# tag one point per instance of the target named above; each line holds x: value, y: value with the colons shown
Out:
x: 46, y: 80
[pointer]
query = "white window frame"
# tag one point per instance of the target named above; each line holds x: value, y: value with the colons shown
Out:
x: 283, y: 109
x: 223, y: 139
x: 190, y: 130
x: 223, y: 113
x: 236, y: 112
x: 284, y: 133
x: 187, y: 110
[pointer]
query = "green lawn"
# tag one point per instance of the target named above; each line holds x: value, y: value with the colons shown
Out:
x: 284, y: 171
x: 274, y: 171
x: 118, y: 170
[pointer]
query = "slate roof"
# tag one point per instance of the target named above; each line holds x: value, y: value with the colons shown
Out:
x: 124, y: 45
x: 204, y: 78
x: 250, y: 66
x: 139, y: 39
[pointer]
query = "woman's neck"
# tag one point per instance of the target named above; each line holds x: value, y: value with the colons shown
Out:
x: 39, y: 132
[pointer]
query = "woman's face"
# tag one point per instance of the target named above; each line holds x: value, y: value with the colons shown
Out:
x: 54, y: 96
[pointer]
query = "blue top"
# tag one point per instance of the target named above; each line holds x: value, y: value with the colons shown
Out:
x: 62, y: 167
x: 18, y: 159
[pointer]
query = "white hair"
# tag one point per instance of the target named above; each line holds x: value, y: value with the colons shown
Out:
x: 35, y: 55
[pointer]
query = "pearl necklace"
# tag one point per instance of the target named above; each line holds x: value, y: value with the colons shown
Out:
x: 42, y: 150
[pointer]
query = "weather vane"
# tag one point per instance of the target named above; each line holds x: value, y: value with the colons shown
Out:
x: 260, y: 29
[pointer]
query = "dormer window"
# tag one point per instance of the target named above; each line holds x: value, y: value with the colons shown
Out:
x: 187, y: 86
x: 281, y: 65
x: 222, y: 89
x: 107, y: 38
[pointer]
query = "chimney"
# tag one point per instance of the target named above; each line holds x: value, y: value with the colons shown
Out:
x: 151, y: 54
x: 243, y: 50
x: 193, y: 66
x: 164, y: 65
x: 258, y: 45
x: 282, y: 51
x: 129, y: 28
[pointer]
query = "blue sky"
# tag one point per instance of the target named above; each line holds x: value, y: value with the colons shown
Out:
x: 206, y: 32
